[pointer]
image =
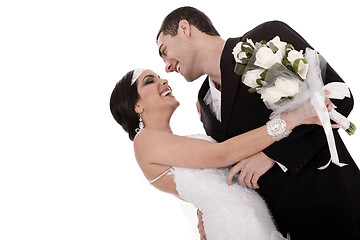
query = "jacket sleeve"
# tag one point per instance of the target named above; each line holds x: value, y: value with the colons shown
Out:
x: 305, y: 142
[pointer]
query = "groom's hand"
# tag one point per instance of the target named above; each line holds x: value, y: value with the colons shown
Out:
x: 251, y: 169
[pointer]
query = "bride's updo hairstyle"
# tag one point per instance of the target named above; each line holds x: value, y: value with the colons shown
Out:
x: 122, y: 104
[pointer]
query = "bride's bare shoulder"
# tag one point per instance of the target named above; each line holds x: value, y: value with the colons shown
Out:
x: 145, y: 142
x: 145, y: 135
x: 142, y: 138
x: 150, y: 143
x: 151, y: 136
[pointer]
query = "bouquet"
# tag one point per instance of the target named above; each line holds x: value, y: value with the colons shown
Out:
x: 278, y: 72
x: 287, y: 78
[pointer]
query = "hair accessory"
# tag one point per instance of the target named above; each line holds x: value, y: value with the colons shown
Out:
x: 136, y: 74
x: 141, y: 125
x: 276, y: 128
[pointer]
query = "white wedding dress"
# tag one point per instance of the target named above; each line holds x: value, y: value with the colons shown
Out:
x: 229, y: 212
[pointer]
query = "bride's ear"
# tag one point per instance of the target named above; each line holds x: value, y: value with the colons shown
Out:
x: 184, y: 28
x: 138, y: 108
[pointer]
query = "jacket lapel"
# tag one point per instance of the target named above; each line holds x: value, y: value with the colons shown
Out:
x: 229, y: 81
x: 212, y: 126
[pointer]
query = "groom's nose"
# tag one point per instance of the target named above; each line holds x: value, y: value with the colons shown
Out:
x: 168, y: 67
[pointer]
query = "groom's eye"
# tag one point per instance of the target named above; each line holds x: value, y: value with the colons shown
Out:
x: 163, y: 52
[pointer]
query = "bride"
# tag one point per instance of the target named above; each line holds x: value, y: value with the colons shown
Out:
x: 193, y: 168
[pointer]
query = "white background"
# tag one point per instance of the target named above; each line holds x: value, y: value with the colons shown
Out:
x: 67, y: 169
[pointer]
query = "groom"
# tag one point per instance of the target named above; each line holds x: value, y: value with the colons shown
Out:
x: 306, y: 202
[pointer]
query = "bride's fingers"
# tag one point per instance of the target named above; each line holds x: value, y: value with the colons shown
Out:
x: 247, y: 180
x: 235, y: 169
x: 326, y: 92
x: 242, y: 176
x: 254, y: 180
x: 335, y: 126
x: 328, y: 104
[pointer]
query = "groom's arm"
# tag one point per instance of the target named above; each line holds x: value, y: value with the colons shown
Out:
x: 305, y: 142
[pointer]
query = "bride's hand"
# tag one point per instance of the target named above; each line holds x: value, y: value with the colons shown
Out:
x: 313, y: 117
x: 306, y: 114
x: 251, y: 169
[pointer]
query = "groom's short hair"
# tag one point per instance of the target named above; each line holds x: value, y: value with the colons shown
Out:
x: 194, y: 16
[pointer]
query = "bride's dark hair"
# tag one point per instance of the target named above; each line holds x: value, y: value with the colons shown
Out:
x: 122, y: 104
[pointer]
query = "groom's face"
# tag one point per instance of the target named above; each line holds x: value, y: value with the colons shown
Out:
x: 177, y: 53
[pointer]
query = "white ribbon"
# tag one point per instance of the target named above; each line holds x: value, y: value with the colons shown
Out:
x: 317, y: 101
x: 337, y: 91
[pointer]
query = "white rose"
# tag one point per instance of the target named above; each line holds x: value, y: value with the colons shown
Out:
x: 289, y: 87
x: 293, y: 55
x: 265, y: 57
x: 279, y: 44
x: 303, y: 68
x: 251, y: 76
x: 271, y: 94
x: 251, y: 42
x: 238, y: 54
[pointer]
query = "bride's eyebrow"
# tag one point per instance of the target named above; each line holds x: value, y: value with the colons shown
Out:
x: 149, y: 75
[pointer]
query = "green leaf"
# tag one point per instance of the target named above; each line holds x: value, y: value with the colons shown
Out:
x: 273, y: 47
x: 263, y: 42
x: 245, y: 61
x: 296, y: 66
x: 245, y: 45
x: 252, y: 90
x: 263, y: 74
x: 288, y: 65
x: 239, y: 68
x: 249, y: 52
x: 286, y: 62
x: 289, y: 47
x: 258, y: 81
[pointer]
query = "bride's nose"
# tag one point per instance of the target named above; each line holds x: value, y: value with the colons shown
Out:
x: 164, y: 82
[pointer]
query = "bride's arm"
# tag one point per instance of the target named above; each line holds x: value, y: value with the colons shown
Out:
x: 158, y: 147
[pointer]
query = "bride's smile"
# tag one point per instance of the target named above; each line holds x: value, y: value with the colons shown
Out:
x: 156, y: 102
x: 167, y: 92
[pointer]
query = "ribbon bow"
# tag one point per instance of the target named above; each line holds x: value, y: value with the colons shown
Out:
x: 338, y: 90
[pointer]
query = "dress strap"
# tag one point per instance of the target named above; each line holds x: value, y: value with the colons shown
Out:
x: 151, y: 181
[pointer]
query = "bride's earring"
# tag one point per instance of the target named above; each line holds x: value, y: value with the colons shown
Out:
x: 141, y: 125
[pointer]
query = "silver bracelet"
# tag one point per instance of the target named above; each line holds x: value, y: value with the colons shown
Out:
x: 276, y: 128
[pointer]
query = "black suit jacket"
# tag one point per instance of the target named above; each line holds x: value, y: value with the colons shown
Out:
x: 302, y: 152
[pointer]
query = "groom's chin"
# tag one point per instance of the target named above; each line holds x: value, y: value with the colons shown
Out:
x: 192, y: 78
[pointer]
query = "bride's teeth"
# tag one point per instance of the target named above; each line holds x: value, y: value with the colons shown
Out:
x: 177, y: 68
x: 164, y: 94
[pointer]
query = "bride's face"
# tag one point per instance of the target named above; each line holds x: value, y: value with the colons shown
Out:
x: 155, y: 94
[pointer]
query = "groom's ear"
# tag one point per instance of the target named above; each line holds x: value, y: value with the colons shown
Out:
x: 184, y: 28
